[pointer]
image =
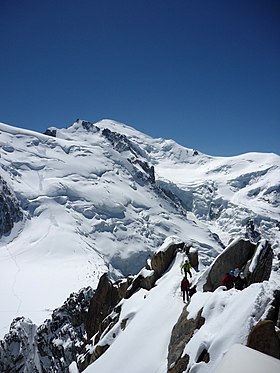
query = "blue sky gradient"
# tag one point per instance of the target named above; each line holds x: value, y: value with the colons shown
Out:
x: 204, y: 73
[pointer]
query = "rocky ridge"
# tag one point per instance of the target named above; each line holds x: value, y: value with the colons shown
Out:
x: 10, y: 210
x: 76, y: 331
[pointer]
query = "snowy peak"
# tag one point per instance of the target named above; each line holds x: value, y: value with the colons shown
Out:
x: 90, y: 204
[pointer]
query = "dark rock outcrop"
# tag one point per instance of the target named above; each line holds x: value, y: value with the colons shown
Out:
x: 251, y: 233
x: 193, y: 257
x: 51, y: 347
x: 162, y: 259
x: 236, y: 255
x: 17, y: 350
x: 204, y: 356
x: 181, y: 335
x: 105, y: 299
x: 10, y: 211
x: 262, y: 269
x: 264, y: 338
x: 50, y: 132
x: 158, y: 265
x: 60, y: 339
x: 103, y: 314
x: 136, y: 157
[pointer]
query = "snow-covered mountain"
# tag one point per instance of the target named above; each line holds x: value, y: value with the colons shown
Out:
x: 97, y: 198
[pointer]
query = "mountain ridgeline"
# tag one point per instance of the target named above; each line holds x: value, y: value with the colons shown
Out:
x: 108, y: 215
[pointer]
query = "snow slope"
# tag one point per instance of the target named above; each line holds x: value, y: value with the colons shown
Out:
x: 90, y: 206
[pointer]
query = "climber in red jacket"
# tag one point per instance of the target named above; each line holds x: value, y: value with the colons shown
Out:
x: 228, y: 281
x: 185, y: 286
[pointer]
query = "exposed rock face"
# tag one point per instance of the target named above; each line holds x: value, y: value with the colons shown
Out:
x: 264, y: 338
x: 54, y: 345
x: 181, y: 335
x: 158, y: 265
x: 236, y: 255
x: 263, y: 266
x: 162, y: 259
x: 106, y: 297
x: 61, y: 338
x: 88, y: 126
x: 102, y: 316
x: 251, y: 233
x: 17, y: 350
x: 193, y: 257
x: 50, y: 132
x: 274, y: 311
x: 137, y: 156
x: 10, y: 211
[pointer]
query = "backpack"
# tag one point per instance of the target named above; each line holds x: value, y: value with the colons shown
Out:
x: 185, y: 284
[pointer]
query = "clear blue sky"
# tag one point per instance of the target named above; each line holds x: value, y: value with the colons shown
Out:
x: 205, y: 73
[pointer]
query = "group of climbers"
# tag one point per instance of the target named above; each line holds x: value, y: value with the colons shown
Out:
x: 234, y: 278
x: 187, y: 290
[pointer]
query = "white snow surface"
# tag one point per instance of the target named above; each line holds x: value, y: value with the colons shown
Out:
x: 86, y: 212
x: 242, y: 359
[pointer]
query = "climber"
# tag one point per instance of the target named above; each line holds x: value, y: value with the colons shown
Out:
x: 185, y: 285
x: 228, y: 280
x: 186, y: 267
x: 240, y: 282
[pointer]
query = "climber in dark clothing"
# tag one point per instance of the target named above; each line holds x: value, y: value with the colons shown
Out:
x: 228, y: 281
x: 185, y: 285
x: 240, y: 282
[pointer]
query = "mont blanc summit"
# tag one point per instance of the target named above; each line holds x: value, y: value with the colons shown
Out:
x: 88, y: 207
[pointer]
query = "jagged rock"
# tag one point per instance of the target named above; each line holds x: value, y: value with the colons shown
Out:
x: 102, y: 316
x: 17, y: 350
x: 157, y: 266
x: 140, y: 281
x: 106, y: 297
x: 204, y: 356
x: 236, y: 255
x: 162, y: 259
x: 264, y: 338
x: 193, y: 257
x: 88, y: 126
x: 180, y: 366
x: 61, y: 338
x: 10, y: 211
x: 182, y: 332
x: 89, y: 357
x: 50, y: 132
x: 263, y: 264
x: 122, y: 144
x: 149, y: 170
x: 251, y: 233
x: 273, y: 312
x: 51, y: 347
